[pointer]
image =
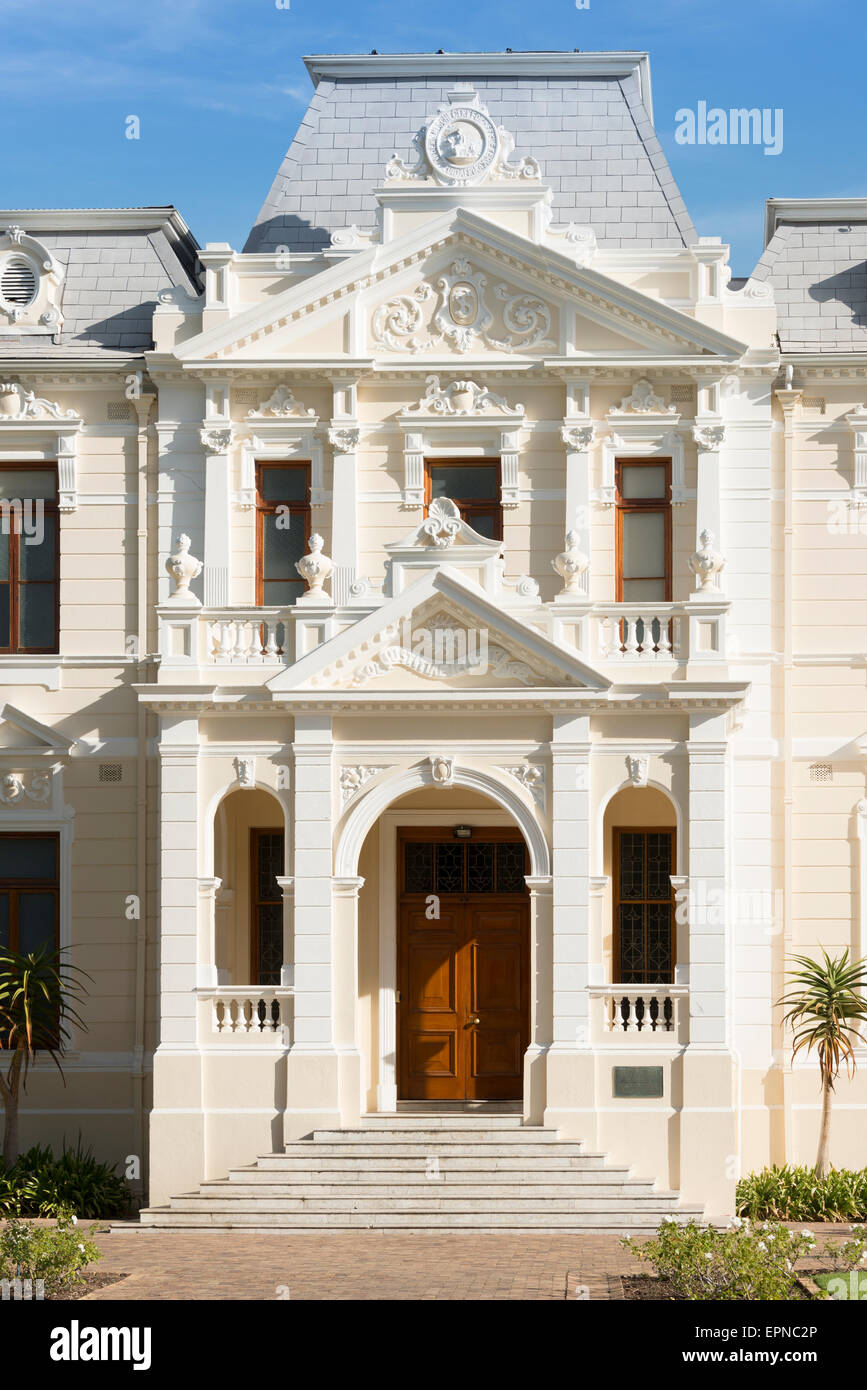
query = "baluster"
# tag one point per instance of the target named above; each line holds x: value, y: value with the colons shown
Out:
x: 663, y: 641
x: 631, y: 643
x: 272, y: 649
x: 217, y: 1011
x: 603, y: 637
x: 239, y: 652
x: 224, y: 651
x: 675, y: 638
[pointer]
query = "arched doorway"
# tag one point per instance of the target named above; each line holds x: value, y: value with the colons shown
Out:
x: 446, y: 932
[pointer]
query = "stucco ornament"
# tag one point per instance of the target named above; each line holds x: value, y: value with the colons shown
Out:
x: 638, y: 767
x: 443, y: 522
x: 461, y: 145
x: 183, y: 567
x: 245, y: 771
x: 442, y: 770
x: 352, y: 779
x: 217, y: 440
x: 460, y: 398
x: 532, y: 778
x: 281, y: 404
x: 643, y: 400
x: 11, y: 788
x: 706, y: 563
x: 315, y: 568
x: 709, y: 438
x: 343, y: 441
x: 571, y: 564
x: 579, y: 438
x: 505, y: 319
x: 16, y: 402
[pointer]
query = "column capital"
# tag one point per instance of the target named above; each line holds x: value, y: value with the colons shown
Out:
x: 348, y: 887
x: 540, y: 885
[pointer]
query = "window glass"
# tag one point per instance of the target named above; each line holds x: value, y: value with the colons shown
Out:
x: 36, y: 604
x: 28, y: 856
x: 28, y: 482
x: 643, y: 545
x: 646, y: 481
x: 4, y: 920
x: 37, y: 556
x: 36, y: 927
x: 283, y: 484
x: 468, y: 482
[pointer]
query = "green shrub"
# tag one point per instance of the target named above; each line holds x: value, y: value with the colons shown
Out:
x: 743, y: 1262
x: 40, y: 1184
x: 54, y: 1254
x: 798, y: 1194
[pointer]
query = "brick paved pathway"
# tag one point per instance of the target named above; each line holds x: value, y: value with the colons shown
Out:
x: 164, y: 1265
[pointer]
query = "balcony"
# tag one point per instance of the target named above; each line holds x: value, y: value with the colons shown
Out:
x: 639, y: 1016
x: 249, y: 1015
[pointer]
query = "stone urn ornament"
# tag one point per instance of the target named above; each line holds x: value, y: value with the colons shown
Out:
x: 571, y: 565
x: 706, y: 564
x: 10, y: 398
x: 314, y: 569
x: 183, y: 567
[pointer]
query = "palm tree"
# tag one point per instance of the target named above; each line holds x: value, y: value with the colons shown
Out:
x: 824, y: 1010
x: 39, y: 993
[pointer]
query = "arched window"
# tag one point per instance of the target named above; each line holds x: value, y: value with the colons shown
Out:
x: 644, y: 929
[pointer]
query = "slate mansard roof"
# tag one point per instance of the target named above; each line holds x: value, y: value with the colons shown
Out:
x: 585, y: 116
x: 816, y: 260
x: 115, y: 261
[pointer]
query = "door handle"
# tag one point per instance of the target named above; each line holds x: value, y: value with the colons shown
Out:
x: 474, y: 1019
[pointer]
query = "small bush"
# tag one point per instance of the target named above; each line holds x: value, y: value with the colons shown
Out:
x: 740, y: 1263
x: 54, y: 1254
x: 798, y: 1194
x: 39, y: 1184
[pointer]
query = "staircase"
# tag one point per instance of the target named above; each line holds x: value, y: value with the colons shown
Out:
x: 426, y: 1172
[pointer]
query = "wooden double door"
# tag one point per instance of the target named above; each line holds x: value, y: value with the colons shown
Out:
x: 463, y: 966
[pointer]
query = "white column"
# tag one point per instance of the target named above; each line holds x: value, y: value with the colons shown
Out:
x: 708, y: 914
x: 570, y: 815
x: 709, y: 436
x: 343, y: 437
x: 217, y: 442
x: 860, y: 944
x: 578, y: 439
x: 312, y: 749
x: 179, y: 883
x: 345, y: 1007
x: 541, y: 889
x: 206, y: 972
x: 287, y: 969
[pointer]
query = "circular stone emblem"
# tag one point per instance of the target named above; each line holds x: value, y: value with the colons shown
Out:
x: 461, y: 144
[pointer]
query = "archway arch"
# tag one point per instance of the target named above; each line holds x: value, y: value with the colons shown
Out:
x: 370, y: 806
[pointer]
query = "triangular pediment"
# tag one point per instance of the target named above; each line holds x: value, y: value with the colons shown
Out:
x: 442, y: 632
x: 20, y: 733
x: 459, y: 286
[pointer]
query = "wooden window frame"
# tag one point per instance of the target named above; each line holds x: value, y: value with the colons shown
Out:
x: 255, y: 901
x: 15, y: 886
x: 642, y: 504
x: 50, y: 505
x: 468, y: 507
x: 265, y: 509
x: 619, y: 830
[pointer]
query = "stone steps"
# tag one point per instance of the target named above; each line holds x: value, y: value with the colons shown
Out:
x: 425, y: 1172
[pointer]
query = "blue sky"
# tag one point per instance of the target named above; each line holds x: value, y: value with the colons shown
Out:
x: 219, y: 88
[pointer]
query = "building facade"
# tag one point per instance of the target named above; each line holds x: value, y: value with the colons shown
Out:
x: 440, y: 672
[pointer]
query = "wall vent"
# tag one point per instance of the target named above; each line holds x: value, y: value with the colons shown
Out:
x: 110, y: 772
x: 248, y: 395
x: 814, y: 403
x: 821, y: 772
x: 118, y: 410
x: 18, y: 282
x: 682, y: 395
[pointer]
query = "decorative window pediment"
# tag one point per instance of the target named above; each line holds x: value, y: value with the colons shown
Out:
x: 30, y: 281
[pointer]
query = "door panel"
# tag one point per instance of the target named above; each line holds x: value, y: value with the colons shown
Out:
x: 463, y: 1019
x: 429, y: 1003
